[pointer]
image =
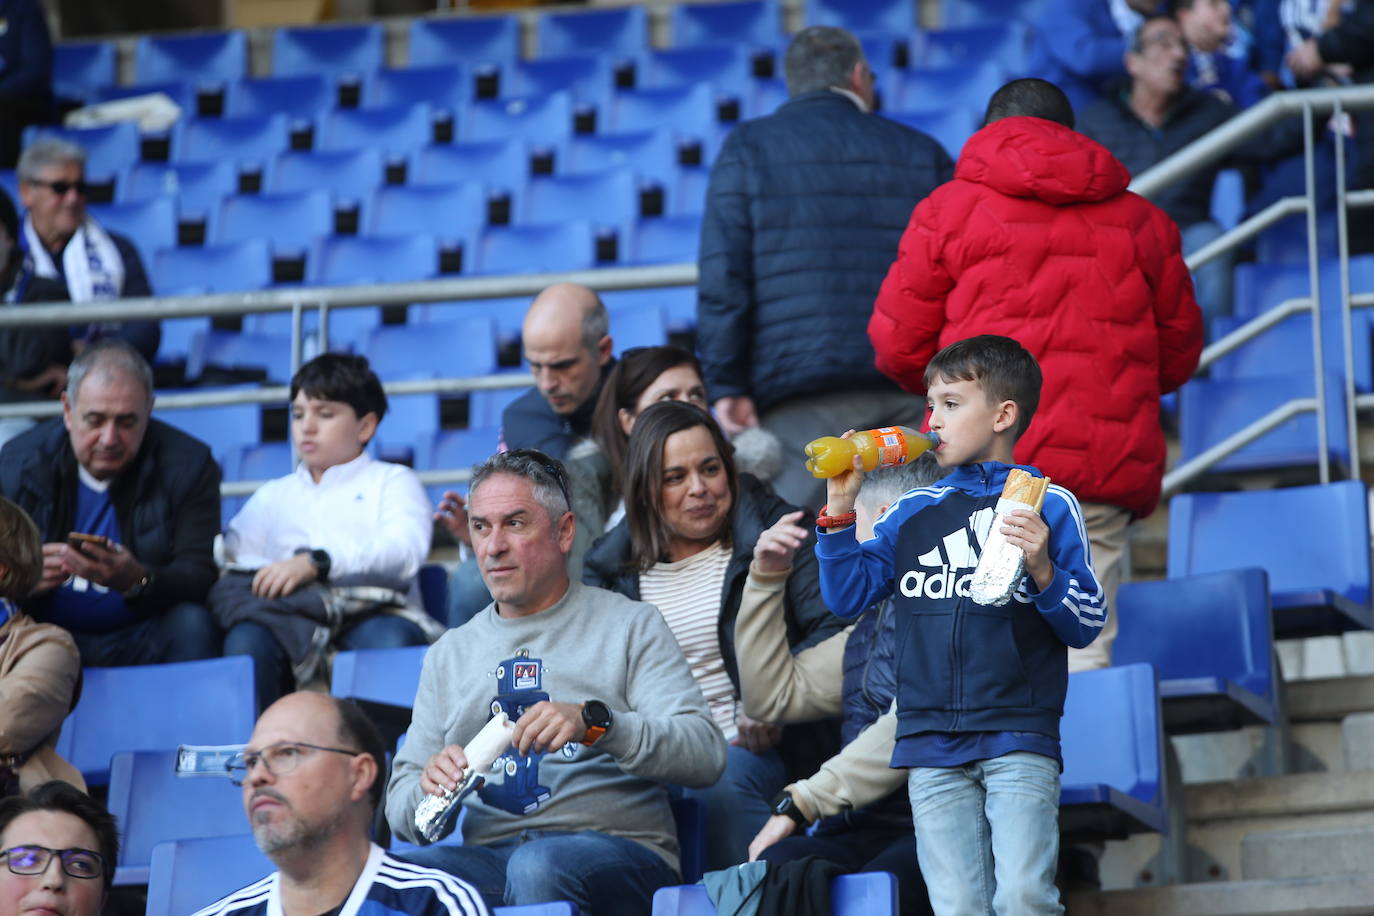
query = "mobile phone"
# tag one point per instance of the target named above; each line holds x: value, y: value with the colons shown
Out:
x: 78, y: 538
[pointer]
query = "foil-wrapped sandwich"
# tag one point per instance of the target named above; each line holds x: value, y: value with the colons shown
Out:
x: 436, y: 815
x: 1002, y: 564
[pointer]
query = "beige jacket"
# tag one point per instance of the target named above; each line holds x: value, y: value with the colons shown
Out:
x: 777, y: 686
x: 39, y: 670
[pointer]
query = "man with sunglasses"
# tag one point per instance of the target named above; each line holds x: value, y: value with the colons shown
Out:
x: 64, y: 243
x: 312, y: 775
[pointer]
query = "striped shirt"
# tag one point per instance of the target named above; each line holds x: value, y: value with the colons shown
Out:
x: 386, y: 887
x: 687, y: 593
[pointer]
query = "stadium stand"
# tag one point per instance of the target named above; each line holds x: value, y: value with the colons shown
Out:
x: 219, y: 57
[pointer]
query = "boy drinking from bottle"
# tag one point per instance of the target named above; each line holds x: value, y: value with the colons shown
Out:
x: 980, y: 688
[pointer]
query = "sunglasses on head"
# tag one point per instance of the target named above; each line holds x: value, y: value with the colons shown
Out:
x: 60, y: 188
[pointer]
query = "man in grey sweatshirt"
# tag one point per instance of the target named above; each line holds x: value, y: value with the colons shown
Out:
x: 605, y: 709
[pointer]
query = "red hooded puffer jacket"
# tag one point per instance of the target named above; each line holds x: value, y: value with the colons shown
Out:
x: 1037, y: 238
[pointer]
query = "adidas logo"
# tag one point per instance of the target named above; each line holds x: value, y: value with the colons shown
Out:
x: 946, y: 570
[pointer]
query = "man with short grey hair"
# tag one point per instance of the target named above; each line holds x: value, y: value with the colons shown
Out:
x: 803, y: 212
x: 65, y: 244
x: 128, y: 508
x: 604, y: 707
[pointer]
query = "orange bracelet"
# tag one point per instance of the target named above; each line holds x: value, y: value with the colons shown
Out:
x: 835, y: 521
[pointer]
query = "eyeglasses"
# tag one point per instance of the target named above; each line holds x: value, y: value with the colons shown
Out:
x: 33, y: 860
x: 279, y: 759
x: 60, y: 188
x: 554, y: 470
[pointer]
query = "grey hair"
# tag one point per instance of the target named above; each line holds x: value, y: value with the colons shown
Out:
x: 596, y: 324
x: 542, y: 471
x: 106, y: 356
x: 883, y: 486
x: 820, y: 57
x: 48, y: 151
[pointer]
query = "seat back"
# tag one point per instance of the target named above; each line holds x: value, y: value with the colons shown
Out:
x: 234, y: 351
x: 1008, y: 43
x: 471, y: 39
x: 381, y: 675
x: 689, y: 110
x: 728, y: 68
x: 150, y: 224
x: 664, y: 240
x: 251, y: 141
x: 590, y: 80
x: 893, y: 17
x: 456, y: 448
x: 503, y: 163
x: 448, y: 87
x: 621, y: 32
x: 638, y: 326
x: 231, y: 267
x: 941, y: 88
x: 448, y: 211
x: 79, y: 68
x: 569, y: 245
x: 355, y: 50
x: 215, y: 57
x: 651, y: 153
x: 259, y: 461
x: 462, y: 347
x: 399, y: 130
x: 352, y: 174
x: 286, y: 221
x: 1112, y: 734
x: 950, y: 128
x: 186, y: 875
x: 545, y: 120
x: 341, y: 259
x: 223, y: 427
x: 612, y: 195
x: 303, y: 97
x: 197, y: 187
x: 748, y: 23
x: 111, y: 149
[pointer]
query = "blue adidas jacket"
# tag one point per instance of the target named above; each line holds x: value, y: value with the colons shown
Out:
x: 963, y: 666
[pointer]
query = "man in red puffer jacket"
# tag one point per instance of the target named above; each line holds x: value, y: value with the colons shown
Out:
x: 1037, y: 238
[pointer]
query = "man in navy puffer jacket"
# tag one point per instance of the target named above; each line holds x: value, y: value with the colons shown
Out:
x: 803, y: 211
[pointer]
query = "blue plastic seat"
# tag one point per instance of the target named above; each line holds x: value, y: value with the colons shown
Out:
x: 197, y: 187
x: 248, y: 142
x: 211, y: 57
x: 286, y: 221
x: 445, y: 87
x: 408, y: 417
x: 727, y: 67
x: 688, y: 196
x: 651, y: 153
x: 536, y: 248
x: 223, y: 427
x: 951, y: 128
x: 862, y: 894
x: 350, y: 175
x: 398, y: 131
x: 508, y: 312
x: 388, y: 676
x: 446, y: 211
x: 612, y: 195
x: 354, y: 50
x: 456, y: 448
x: 679, y: 303
x: 348, y: 327
x: 1287, y: 347
x: 960, y: 13
x: 1210, y: 637
x: 9, y: 181
x: 638, y: 326
x: 302, y: 98
x: 79, y: 68
x: 111, y: 150
x: 156, y: 708
x: 269, y: 354
x: 688, y: 110
x: 556, y: 908
x: 1262, y: 286
x: 621, y: 32
x: 1112, y: 738
x: 590, y: 80
x: 461, y: 347
x: 183, y: 93
x: 894, y: 17
x: 150, y: 224
x: 748, y: 23
x: 1008, y: 43
x: 259, y: 461
x: 664, y: 240
x: 546, y: 120
x: 484, y: 38
x: 344, y: 259
x: 186, y: 875
x: 231, y: 267
x: 154, y: 805
x: 1313, y: 542
x: 935, y: 89
x: 500, y: 163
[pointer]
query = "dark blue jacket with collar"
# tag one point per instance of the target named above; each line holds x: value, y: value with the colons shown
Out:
x: 963, y: 666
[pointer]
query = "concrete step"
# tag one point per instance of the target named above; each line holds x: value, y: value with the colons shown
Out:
x: 1344, y: 895
x: 1329, y: 699
x: 1307, y: 853
x: 1357, y: 740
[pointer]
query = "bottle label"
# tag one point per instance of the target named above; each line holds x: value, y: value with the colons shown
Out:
x: 891, y: 443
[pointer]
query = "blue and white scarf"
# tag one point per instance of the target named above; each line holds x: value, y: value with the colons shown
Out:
x: 91, y: 263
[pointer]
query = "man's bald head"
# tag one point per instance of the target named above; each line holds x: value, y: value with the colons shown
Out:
x: 566, y: 343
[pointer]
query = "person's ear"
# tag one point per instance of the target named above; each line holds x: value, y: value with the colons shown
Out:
x: 627, y: 420
x: 66, y: 412
x: 604, y: 348
x: 364, y: 773
x: 567, y: 532
x: 1008, y: 412
x: 367, y: 428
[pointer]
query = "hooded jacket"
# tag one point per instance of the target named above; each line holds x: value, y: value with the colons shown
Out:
x: 1037, y: 238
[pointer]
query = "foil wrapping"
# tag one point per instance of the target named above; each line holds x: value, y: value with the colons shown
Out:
x: 436, y: 815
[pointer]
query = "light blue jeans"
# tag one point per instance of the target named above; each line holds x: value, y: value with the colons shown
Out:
x: 987, y: 834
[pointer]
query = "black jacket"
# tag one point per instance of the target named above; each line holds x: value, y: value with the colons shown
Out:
x: 803, y: 215
x: 529, y: 421
x: 166, y: 501
x: 25, y: 352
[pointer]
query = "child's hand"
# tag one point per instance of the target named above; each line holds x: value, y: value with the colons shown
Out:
x: 774, y: 549
x: 1027, y: 530
x: 842, y: 490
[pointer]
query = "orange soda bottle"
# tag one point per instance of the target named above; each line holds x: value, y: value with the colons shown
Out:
x: 830, y: 456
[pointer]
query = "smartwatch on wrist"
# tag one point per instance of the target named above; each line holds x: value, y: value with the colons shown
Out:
x: 318, y: 559
x: 784, y: 804
x: 596, y: 716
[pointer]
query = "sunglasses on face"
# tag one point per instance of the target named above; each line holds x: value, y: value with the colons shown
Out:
x: 60, y: 188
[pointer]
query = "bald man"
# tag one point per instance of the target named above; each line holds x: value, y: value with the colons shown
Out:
x: 312, y: 775
x: 569, y: 354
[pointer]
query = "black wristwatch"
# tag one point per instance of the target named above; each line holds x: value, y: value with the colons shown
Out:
x: 320, y: 560
x: 784, y: 804
x: 596, y: 716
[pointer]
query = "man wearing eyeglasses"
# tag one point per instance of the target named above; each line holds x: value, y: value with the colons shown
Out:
x: 312, y: 775
x: 604, y: 706
x: 64, y: 243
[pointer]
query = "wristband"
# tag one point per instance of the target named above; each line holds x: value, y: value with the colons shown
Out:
x: 835, y: 521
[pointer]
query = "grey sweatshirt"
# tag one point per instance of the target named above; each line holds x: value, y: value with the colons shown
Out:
x: 592, y: 644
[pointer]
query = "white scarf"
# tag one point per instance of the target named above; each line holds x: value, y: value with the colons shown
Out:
x: 91, y: 263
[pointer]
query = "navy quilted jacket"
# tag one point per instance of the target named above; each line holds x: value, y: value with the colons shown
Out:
x: 803, y: 214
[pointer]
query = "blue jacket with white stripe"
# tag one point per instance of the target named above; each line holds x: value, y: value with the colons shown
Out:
x: 964, y: 666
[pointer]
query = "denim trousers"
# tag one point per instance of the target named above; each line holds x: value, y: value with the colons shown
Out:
x: 987, y: 834
x: 739, y: 804
x: 600, y: 874
x: 184, y: 633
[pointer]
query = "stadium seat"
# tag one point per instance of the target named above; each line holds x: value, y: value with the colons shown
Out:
x: 286, y: 221
x: 1262, y: 286
x: 688, y: 196
x: 354, y: 50
x: 1312, y: 541
x: 264, y: 355
x: 679, y: 303
x: 80, y: 68
x: 211, y: 57
x: 936, y: 89
x: 149, y: 224
x: 350, y: 175
x: 863, y: 17
x: 1007, y: 43
x: 464, y: 347
x: 446, y: 211
x: 1113, y: 745
x: 765, y: 97
x: 546, y: 121
x: 621, y: 32
x: 1287, y: 347
x: 433, y: 582
x: 190, y: 271
x: 446, y: 88
x: 1210, y: 637
x: 591, y: 80
x: 949, y: 128
x: 611, y: 195
x: 507, y: 312
x: 486, y: 406
x: 154, y: 805
x: 301, y: 98
x: 638, y: 326
x: 862, y: 894
x: 184, y: 94
x: 347, y: 259
x: 156, y: 708
x: 541, y: 248
x: 178, y: 334
x: 111, y: 150
x: 688, y: 110
x: 750, y: 23
x: 689, y: 815
x: 388, y: 676
x: 259, y: 461
x: 501, y: 164
x: 397, y: 131
x: 664, y: 240
x: 728, y: 68
x: 197, y: 187
x: 485, y: 39
x: 960, y: 13
x: 408, y: 417
x: 185, y: 875
x: 248, y: 142
x: 348, y: 327
x: 223, y: 427
x: 456, y: 448
x: 651, y: 153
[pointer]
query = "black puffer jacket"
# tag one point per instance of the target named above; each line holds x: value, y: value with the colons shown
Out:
x: 803, y: 215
